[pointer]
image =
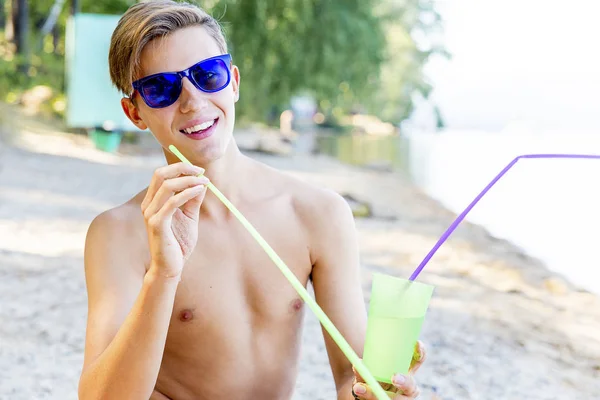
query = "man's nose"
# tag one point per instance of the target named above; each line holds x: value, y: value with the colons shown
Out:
x: 191, y: 98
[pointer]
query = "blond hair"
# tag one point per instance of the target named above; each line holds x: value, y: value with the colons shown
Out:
x: 146, y: 21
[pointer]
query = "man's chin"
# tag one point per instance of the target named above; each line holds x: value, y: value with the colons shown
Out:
x: 208, y: 154
x: 205, y: 151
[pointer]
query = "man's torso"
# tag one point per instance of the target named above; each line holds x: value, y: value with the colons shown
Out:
x: 236, y: 322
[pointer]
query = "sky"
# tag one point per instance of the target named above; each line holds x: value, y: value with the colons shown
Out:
x: 534, y: 62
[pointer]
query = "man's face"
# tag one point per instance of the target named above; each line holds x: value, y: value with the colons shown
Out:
x: 194, y: 109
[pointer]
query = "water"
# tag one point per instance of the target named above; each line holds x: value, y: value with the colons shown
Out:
x: 383, y: 151
x: 548, y: 208
x: 390, y: 344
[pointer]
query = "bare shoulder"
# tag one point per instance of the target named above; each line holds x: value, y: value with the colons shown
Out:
x: 322, y: 212
x: 115, y: 236
x: 310, y: 201
x: 319, y: 207
x: 118, y: 222
x: 327, y: 218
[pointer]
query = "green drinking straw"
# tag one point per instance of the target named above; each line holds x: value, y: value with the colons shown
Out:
x: 325, y: 321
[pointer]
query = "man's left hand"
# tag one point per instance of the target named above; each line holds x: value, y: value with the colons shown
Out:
x: 404, y: 386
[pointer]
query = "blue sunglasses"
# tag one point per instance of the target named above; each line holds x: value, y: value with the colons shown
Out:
x: 163, y: 89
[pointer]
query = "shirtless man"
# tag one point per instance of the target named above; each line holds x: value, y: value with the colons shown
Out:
x: 183, y: 303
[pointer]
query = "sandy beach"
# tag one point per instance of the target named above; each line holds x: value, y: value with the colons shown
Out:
x: 500, y: 325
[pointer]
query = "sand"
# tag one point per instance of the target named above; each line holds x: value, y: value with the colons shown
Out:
x: 500, y: 325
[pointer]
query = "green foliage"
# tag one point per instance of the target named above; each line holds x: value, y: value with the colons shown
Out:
x: 350, y: 55
x: 330, y: 49
x: 413, y: 31
x: 19, y: 72
x: 115, y: 7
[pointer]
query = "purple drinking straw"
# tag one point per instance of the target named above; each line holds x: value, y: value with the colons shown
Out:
x: 462, y: 215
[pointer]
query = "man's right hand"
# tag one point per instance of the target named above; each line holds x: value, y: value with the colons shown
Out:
x: 171, y: 211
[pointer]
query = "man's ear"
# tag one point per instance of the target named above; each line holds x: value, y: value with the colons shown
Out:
x: 235, y: 80
x: 133, y: 113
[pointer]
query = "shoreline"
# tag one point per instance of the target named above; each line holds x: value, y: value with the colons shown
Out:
x: 544, y: 205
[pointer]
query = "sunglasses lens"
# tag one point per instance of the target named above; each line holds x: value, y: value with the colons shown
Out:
x: 161, y: 90
x: 211, y: 75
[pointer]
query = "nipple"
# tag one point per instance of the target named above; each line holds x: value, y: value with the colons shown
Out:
x: 297, y: 305
x: 186, y: 315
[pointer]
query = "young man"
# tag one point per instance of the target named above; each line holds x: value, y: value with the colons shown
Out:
x: 183, y: 303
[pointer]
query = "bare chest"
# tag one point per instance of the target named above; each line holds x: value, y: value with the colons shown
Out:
x: 234, y: 310
x: 230, y: 272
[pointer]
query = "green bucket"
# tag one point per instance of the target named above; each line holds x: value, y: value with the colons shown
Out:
x: 106, y: 141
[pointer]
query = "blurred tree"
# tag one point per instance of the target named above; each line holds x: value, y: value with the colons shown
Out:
x: 20, y: 9
x: 414, y: 34
x: 2, y: 14
x: 103, y: 7
x: 284, y: 47
x: 352, y: 55
x: 50, y: 22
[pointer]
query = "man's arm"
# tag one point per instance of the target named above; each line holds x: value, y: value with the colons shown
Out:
x: 337, y: 283
x: 128, y: 316
x: 338, y: 290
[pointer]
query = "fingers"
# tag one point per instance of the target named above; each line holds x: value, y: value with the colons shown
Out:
x: 170, y: 187
x: 418, y: 357
x: 406, y: 385
x: 168, y: 172
x: 364, y: 392
x: 173, y: 203
x: 191, y: 208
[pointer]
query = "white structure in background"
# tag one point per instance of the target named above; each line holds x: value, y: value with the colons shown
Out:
x: 422, y: 119
x: 303, y: 110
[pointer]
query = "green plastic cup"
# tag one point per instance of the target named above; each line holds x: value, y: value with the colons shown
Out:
x: 396, y: 313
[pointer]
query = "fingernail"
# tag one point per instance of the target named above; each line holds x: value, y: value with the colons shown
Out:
x: 200, y: 170
x: 399, y: 379
x: 417, y: 355
x: 360, y: 389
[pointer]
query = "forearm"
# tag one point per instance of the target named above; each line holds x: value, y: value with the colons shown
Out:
x: 344, y: 391
x: 129, y: 366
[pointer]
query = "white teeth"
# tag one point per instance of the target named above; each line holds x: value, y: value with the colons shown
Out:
x: 200, y: 127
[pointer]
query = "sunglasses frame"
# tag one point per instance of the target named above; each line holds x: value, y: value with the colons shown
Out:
x: 226, y: 58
